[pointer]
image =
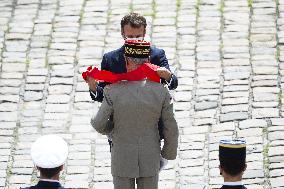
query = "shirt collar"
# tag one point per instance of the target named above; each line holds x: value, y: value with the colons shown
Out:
x: 237, y: 183
x: 49, y: 180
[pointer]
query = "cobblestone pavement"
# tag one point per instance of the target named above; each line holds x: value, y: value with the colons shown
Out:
x: 227, y: 54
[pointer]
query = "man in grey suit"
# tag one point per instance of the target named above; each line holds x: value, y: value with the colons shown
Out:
x: 136, y: 107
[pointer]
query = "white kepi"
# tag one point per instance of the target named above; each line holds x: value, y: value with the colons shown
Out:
x: 49, y: 151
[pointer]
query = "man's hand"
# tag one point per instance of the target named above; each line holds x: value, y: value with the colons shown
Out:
x: 164, y: 73
x: 163, y: 163
x: 92, y: 84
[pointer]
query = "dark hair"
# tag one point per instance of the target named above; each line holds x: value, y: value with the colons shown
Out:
x: 232, y: 166
x: 49, y: 172
x: 134, y: 19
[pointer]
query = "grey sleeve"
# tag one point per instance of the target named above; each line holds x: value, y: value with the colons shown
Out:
x: 100, y: 121
x: 169, y: 150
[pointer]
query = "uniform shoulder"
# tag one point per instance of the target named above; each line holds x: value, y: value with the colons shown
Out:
x: 156, y: 49
x: 156, y: 52
x: 156, y: 85
x: 111, y: 88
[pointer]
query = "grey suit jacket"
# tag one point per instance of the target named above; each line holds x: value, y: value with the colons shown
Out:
x: 136, y: 107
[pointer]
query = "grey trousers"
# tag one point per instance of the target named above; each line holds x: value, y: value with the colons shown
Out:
x: 142, y: 182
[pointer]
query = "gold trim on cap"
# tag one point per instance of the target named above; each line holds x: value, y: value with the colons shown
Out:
x: 137, y: 50
x: 233, y: 145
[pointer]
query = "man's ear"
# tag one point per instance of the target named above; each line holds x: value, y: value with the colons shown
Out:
x: 122, y: 32
x: 245, y: 167
x: 61, y: 167
x: 220, y: 169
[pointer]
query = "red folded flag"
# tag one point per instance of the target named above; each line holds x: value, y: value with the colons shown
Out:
x: 146, y: 70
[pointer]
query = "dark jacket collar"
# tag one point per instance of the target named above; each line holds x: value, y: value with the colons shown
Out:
x: 47, y: 184
x: 233, y: 187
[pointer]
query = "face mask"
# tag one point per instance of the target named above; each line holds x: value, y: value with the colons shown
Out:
x: 134, y: 38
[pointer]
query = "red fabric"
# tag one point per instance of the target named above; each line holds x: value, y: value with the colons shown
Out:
x: 146, y: 70
x: 137, y: 42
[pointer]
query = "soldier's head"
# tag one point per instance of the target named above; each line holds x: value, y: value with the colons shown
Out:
x: 133, y: 26
x: 49, y: 153
x: 232, y: 157
x: 136, y: 53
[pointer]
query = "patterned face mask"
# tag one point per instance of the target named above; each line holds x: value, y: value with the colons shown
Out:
x: 134, y: 38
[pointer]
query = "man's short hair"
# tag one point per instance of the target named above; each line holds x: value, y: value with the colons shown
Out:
x: 49, y: 172
x: 135, y: 20
x: 138, y: 60
x: 232, y: 167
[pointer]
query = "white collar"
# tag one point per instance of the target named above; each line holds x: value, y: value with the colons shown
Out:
x: 237, y: 183
x: 49, y: 180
